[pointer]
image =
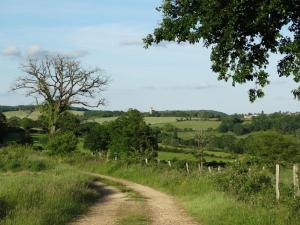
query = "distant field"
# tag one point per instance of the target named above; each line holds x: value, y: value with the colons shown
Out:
x: 173, y: 155
x: 191, y: 157
x: 102, y: 119
x: 33, y: 114
x: 154, y: 121
x: 185, y: 135
x: 22, y: 114
x: 149, y: 120
x: 193, y: 124
x: 161, y: 121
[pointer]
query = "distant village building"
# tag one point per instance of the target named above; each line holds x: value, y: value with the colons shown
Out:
x: 151, y: 111
x: 249, y: 116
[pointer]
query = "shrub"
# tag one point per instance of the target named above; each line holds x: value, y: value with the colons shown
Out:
x: 69, y: 122
x: 244, y: 182
x: 14, y: 122
x: 271, y: 146
x: 27, y: 123
x: 98, y: 139
x: 132, y: 138
x: 62, y: 142
x: 16, y: 135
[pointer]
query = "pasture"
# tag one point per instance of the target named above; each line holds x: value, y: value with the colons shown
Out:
x: 23, y: 114
x: 161, y: 121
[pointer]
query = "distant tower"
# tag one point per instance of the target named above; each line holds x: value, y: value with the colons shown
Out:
x: 151, y: 111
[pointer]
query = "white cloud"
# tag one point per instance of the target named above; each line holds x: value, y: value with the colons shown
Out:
x: 76, y: 53
x: 131, y: 43
x: 12, y: 51
x: 37, y: 51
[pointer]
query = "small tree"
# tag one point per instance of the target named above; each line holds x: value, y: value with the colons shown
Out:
x: 202, y: 139
x: 59, y: 82
x: 132, y: 138
x: 62, y: 142
x: 98, y: 139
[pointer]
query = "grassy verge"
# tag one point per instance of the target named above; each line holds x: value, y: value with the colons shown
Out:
x: 197, y: 194
x: 36, y: 191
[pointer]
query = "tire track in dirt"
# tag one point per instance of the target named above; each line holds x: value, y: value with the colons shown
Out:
x: 163, y: 208
x: 104, y: 211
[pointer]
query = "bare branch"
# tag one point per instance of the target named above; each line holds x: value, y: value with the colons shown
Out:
x: 61, y: 81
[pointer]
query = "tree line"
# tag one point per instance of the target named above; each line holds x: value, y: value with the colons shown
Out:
x: 281, y: 122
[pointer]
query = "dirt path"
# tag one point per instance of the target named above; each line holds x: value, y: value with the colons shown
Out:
x: 104, y: 211
x: 163, y: 208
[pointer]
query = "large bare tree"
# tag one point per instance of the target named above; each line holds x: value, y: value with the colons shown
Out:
x: 59, y: 82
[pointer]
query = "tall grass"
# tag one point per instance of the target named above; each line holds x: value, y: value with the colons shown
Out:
x: 198, y: 194
x: 51, y: 196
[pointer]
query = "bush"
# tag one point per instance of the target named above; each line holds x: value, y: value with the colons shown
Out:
x: 27, y: 123
x: 132, y: 138
x: 271, y: 146
x: 244, y: 182
x: 14, y: 122
x: 98, y: 139
x: 62, y: 142
x: 69, y: 122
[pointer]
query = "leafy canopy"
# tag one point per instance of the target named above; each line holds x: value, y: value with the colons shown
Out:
x: 242, y: 34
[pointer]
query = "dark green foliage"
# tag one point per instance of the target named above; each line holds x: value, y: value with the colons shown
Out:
x: 226, y: 142
x: 230, y: 123
x: 271, y: 146
x: 97, y: 138
x: 62, y: 142
x: 14, y: 122
x: 187, y: 114
x: 242, y: 34
x: 281, y: 122
x: 94, y: 113
x: 245, y: 182
x: 27, y: 123
x: 15, y: 135
x: 68, y: 122
x: 3, y: 127
x: 278, y: 121
x: 132, y: 138
x: 4, y: 108
x: 4, y: 208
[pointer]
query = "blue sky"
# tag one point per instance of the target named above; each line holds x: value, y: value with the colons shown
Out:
x: 107, y: 34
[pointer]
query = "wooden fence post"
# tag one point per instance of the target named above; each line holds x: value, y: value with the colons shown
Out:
x: 209, y: 169
x: 277, y: 181
x: 199, y: 167
x: 187, y: 167
x: 169, y: 163
x: 295, y: 180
